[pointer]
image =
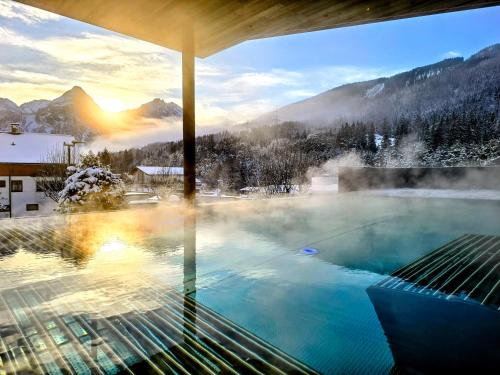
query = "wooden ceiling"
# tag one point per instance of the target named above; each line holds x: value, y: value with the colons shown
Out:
x: 219, y: 24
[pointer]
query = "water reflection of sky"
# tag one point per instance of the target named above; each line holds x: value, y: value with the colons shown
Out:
x: 249, y: 264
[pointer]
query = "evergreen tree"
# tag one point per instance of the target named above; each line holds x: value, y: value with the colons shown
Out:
x: 372, y: 145
x: 105, y: 157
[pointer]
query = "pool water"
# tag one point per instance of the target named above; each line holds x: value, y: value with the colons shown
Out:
x: 247, y: 262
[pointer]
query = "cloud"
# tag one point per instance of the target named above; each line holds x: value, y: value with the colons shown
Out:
x: 332, y: 76
x: 105, y: 65
x: 150, y: 131
x: 451, y: 54
x: 299, y: 94
x: 7, y: 74
x: 26, y: 14
x: 240, y: 94
x: 111, y: 66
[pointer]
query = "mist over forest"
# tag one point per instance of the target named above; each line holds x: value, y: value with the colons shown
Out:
x: 441, y: 115
x: 288, y: 153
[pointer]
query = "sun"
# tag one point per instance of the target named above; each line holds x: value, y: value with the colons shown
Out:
x: 111, y: 105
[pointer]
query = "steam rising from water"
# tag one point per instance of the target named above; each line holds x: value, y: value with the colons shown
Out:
x: 331, y: 167
x: 248, y: 266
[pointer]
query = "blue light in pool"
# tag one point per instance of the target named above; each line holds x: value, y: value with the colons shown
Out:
x: 309, y: 251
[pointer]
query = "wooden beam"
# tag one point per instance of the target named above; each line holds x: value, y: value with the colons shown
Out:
x: 219, y: 24
x: 188, y: 114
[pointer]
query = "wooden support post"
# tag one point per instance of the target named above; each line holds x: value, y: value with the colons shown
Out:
x: 10, y: 193
x: 188, y: 117
x: 188, y: 134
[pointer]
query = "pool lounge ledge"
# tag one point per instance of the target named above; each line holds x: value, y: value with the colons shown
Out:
x: 474, y: 194
x: 440, y: 313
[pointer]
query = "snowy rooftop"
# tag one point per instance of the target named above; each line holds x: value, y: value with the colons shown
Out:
x: 31, y: 147
x: 150, y: 170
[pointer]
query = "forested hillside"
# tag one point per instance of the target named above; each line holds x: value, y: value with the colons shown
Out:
x: 290, y: 152
x: 444, y: 114
x: 452, y: 85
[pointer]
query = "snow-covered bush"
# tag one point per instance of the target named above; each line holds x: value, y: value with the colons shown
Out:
x: 91, y: 186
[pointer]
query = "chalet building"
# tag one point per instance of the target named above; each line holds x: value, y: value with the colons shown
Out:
x: 145, y: 177
x: 22, y: 156
x: 324, y: 184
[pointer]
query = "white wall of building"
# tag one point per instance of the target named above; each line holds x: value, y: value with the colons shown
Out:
x: 29, y: 195
x: 324, y: 184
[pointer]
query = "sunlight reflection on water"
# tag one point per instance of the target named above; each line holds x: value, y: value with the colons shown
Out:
x: 247, y: 265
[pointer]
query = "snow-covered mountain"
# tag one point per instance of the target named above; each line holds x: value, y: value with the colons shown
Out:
x: 455, y: 84
x: 29, y: 111
x: 77, y: 114
x: 9, y: 111
x: 157, y: 108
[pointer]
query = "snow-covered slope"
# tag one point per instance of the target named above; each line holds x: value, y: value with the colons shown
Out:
x: 448, y: 85
x: 8, y: 105
x: 34, y: 106
x: 9, y: 112
x: 29, y: 111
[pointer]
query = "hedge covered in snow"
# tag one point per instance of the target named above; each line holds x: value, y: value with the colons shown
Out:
x: 91, y: 186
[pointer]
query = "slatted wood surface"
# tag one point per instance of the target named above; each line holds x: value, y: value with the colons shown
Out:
x: 53, y: 327
x: 219, y: 24
x: 180, y: 337
x: 466, y: 268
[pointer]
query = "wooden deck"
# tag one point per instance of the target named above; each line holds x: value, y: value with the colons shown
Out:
x: 467, y: 268
x: 179, y: 336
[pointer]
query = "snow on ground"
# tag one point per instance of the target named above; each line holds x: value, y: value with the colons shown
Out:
x: 377, y: 89
x: 333, y: 188
x: 379, y: 139
x: 437, y: 193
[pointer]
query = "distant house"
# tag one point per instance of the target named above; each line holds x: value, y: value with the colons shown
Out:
x: 22, y: 156
x: 247, y: 190
x: 324, y: 184
x: 146, y: 177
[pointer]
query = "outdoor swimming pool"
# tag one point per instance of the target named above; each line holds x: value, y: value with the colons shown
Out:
x: 245, y: 263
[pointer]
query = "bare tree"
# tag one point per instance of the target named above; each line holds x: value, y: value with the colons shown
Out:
x: 165, y: 182
x: 282, y: 166
x: 52, y: 174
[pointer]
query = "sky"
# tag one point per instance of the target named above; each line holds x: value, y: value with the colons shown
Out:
x: 42, y: 55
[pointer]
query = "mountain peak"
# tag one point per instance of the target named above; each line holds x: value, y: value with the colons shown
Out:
x: 70, y: 96
x: 158, y: 108
x: 75, y: 112
x: 8, y: 105
x: 77, y: 89
x: 34, y: 105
